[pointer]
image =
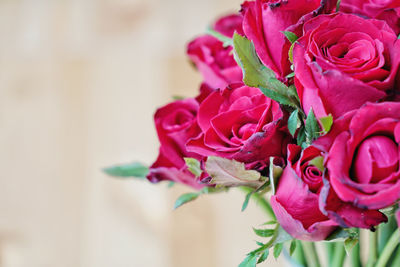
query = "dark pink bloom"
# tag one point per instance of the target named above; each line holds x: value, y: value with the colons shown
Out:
x: 176, y: 123
x: 296, y: 202
x: 342, y: 61
x: 240, y: 123
x: 263, y: 23
x: 214, y: 61
x: 387, y: 10
x: 363, y: 156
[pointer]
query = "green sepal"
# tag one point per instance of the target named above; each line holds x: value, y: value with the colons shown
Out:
x: 194, y: 166
x: 293, y: 246
x: 263, y: 256
x: 318, y: 162
x: 290, y: 36
x: 326, y: 123
x: 312, y: 127
x: 185, y: 198
x: 349, y: 244
x: 277, y: 250
x: 134, y: 169
x: 264, y: 232
x: 294, y: 122
x: 249, y: 261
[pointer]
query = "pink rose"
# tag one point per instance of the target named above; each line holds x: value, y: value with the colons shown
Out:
x: 363, y: 156
x: 263, y: 23
x: 176, y: 123
x: 296, y: 202
x: 305, y: 205
x: 342, y: 61
x: 387, y: 10
x: 241, y: 123
x: 214, y: 61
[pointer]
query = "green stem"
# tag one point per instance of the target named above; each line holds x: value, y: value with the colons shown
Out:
x: 339, y: 255
x: 372, y: 249
x: 298, y: 254
x: 311, y: 254
x: 264, y: 204
x: 330, y: 248
x: 396, y: 260
x: 388, y: 250
x: 385, y: 231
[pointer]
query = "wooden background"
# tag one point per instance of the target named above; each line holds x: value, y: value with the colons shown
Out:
x: 79, y: 82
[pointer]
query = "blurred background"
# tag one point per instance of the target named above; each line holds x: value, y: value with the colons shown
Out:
x: 79, y: 82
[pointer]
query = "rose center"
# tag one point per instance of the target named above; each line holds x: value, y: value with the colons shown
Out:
x: 313, y: 178
x: 377, y: 157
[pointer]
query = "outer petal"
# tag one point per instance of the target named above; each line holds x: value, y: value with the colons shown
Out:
x: 297, y: 209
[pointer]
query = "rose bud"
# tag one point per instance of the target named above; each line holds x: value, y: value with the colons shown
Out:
x: 214, y: 61
x: 176, y: 123
x: 342, y: 61
x: 296, y: 202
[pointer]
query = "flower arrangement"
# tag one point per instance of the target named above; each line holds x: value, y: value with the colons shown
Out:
x: 300, y: 108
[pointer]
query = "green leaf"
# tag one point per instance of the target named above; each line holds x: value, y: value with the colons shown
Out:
x: 326, y: 123
x: 282, y: 236
x: 312, y: 126
x: 301, y: 137
x: 274, y: 173
x: 349, y: 244
x: 318, y: 162
x: 280, y: 98
x: 185, y: 198
x: 246, y: 201
x: 294, y: 122
x: 249, y: 261
x: 277, y: 250
x: 269, y: 223
x: 171, y: 184
x: 398, y: 37
x: 293, y: 92
x: 255, y: 73
x: 193, y: 166
x: 290, y: 75
x: 338, y: 235
x: 222, y: 38
x: 134, y: 169
x: 263, y: 257
x: 229, y: 173
x: 264, y: 232
x: 291, y: 53
x: 293, y: 246
x: 178, y: 97
x: 290, y: 36
x: 260, y: 244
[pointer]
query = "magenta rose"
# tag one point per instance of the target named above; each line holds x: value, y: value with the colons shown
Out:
x: 263, y: 23
x: 342, y: 61
x: 214, y: 61
x: 296, y: 202
x: 387, y: 10
x: 363, y: 156
x: 241, y: 123
x: 176, y: 123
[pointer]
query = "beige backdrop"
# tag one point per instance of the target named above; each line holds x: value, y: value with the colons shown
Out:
x: 79, y: 81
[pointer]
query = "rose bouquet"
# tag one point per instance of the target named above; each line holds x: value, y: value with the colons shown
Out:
x: 300, y: 107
